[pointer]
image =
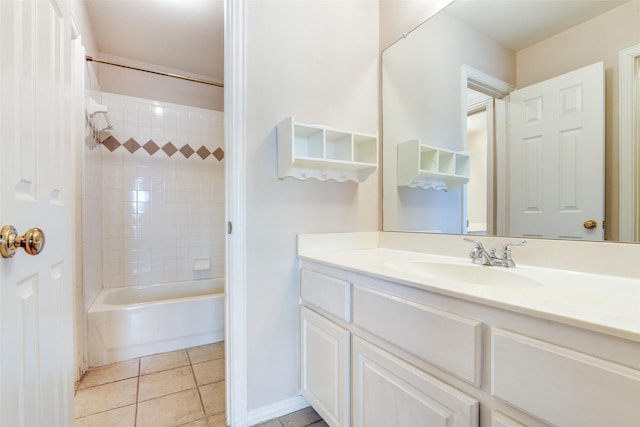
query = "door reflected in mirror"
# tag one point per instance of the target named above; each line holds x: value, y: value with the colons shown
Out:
x: 546, y: 179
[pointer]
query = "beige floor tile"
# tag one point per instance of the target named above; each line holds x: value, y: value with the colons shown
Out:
x: 199, y: 423
x: 171, y: 410
x: 163, y: 361
x: 270, y: 423
x: 165, y: 382
x: 206, y: 352
x: 121, y: 417
x: 218, y: 420
x: 209, y: 372
x: 213, y: 397
x: 104, y: 397
x: 300, y: 418
x: 110, y: 373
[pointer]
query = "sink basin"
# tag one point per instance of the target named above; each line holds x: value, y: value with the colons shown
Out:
x: 471, y: 274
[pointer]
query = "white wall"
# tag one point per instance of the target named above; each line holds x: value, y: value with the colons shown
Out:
x: 316, y: 60
x: 423, y: 99
x: 399, y: 17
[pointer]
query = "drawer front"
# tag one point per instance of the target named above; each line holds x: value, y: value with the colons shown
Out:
x: 445, y: 340
x: 326, y: 293
x: 561, y: 386
x: 389, y: 392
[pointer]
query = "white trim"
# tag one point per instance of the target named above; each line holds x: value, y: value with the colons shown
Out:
x: 628, y: 164
x: 482, y: 82
x: 496, y: 88
x: 235, y: 200
x: 277, y: 409
x: 502, y: 172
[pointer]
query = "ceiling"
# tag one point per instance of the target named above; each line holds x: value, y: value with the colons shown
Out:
x: 186, y: 35
x: 522, y: 23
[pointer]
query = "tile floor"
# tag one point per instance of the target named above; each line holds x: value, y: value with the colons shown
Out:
x: 178, y: 388
x: 304, y: 418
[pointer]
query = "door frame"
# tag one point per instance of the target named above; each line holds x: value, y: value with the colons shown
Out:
x: 497, y: 89
x: 235, y: 201
x: 628, y: 135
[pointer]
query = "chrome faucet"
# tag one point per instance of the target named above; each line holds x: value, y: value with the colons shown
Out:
x: 479, y: 254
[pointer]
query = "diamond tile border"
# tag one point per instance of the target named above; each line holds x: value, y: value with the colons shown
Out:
x: 151, y: 147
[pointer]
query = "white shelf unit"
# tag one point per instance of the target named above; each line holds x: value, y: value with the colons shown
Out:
x: 424, y: 166
x: 314, y: 151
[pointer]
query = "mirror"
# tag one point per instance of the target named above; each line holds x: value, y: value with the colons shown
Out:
x: 490, y: 47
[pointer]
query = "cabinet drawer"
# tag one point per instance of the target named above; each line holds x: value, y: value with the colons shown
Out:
x: 326, y: 293
x: 561, y: 386
x: 445, y: 340
x: 389, y: 392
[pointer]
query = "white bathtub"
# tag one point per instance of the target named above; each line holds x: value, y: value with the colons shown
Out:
x: 129, y: 322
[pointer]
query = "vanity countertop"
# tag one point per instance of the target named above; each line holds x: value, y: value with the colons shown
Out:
x: 597, y: 302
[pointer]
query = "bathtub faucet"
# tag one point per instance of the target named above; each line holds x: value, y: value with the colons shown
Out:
x: 479, y: 254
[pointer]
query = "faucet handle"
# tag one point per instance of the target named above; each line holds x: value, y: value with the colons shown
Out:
x: 476, y: 243
x: 506, y: 249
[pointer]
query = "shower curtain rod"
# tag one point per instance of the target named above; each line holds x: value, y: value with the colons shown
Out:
x: 176, y: 76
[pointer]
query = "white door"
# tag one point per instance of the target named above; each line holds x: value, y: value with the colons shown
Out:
x: 556, y: 157
x: 36, y: 313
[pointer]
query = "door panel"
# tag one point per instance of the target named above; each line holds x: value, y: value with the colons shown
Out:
x: 36, y: 361
x: 556, y: 156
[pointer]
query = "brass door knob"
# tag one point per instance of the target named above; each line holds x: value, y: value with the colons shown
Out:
x: 590, y: 224
x: 32, y: 242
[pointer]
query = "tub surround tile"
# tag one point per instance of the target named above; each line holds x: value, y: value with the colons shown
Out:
x: 163, y: 361
x: 206, y: 352
x: 171, y: 410
x: 111, y: 373
x: 165, y: 382
x: 209, y: 372
x: 213, y: 397
x: 104, y: 397
x: 121, y: 417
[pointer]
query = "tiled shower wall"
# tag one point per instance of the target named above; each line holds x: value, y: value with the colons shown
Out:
x: 162, y: 193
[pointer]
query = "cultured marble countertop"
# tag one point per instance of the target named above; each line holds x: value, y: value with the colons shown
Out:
x: 602, y: 303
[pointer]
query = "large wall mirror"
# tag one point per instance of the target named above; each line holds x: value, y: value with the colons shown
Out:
x: 502, y: 118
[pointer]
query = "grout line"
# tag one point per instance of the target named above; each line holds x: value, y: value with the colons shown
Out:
x: 135, y: 418
x: 204, y: 411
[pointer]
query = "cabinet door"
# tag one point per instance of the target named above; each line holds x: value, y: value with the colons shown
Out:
x: 324, y: 367
x: 389, y: 392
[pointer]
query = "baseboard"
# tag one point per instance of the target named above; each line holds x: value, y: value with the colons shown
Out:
x: 276, y: 410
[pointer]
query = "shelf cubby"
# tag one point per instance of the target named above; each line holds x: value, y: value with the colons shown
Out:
x: 425, y: 166
x: 320, y: 152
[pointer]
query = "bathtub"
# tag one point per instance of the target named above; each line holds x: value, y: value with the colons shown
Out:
x: 129, y: 322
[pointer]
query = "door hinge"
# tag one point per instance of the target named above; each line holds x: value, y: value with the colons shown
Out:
x: 229, y: 227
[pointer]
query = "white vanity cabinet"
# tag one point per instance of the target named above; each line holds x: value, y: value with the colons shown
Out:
x: 350, y: 381
x: 376, y: 352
